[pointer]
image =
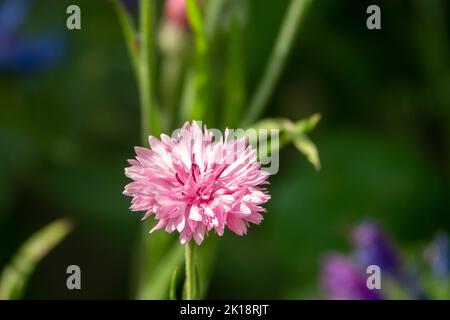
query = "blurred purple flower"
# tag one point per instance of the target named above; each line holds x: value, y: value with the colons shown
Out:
x: 438, y: 256
x: 373, y: 247
x: 345, y: 277
x: 19, y: 54
x: 341, y: 279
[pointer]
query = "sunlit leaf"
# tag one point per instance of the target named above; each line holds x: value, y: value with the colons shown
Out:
x: 15, y: 275
x: 295, y: 133
x: 274, y: 123
x: 308, y: 124
x: 308, y: 148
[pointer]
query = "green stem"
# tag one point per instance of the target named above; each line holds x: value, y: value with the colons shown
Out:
x: 172, y: 69
x: 202, y: 78
x: 204, y: 32
x: 294, y: 15
x: 234, y: 75
x: 146, y: 97
x: 142, y: 53
x: 149, y: 123
x: 190, y: 284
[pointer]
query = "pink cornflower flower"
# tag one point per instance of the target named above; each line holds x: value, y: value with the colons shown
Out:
x: 176, y: 12
x: 194, y: 184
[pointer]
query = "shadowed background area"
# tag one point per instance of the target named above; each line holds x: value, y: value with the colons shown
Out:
x: 69, y: 118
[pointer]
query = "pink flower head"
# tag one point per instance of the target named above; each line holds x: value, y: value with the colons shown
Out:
x: 176, y: 12
x: 193, y: 183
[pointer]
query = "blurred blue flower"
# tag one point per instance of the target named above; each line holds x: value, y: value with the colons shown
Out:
x: 19, y: 54
x: 341, y: 279
x: 411, y: 282
x: 438, y: 256
x: 345, y: 277
x: 373, y: 247
x: 12, y: 15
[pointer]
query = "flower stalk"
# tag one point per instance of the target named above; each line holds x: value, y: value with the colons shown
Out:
x: 202, y: 77
x: 149, y: 121
x: 190, y: 284
x: 192, y: 184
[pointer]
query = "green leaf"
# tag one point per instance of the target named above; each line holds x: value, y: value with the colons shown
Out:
x: 294, y: 132
x: 196, y: 21
x: 129, y: 32
x: 308, y: 148
x: 308, y: 124
x: 173, y: 285
x: 157, y: 286
x: 15, y: 275
x: 150, y: 250
x: 281, y: 124
x: 294, y: 16
x: 302, y: 126
x: 206, y: 258
x: 214, y: 8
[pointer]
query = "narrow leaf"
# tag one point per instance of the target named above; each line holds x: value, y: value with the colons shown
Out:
x: 129, y: 32
x: 308, y: 124
x: 308, y: 148
x: 157, y: 286
x: 214, y: 9
x: 206, y: 258
x: 282, y: 124
x: 15, y: 275
x: 173, y: 285
x: 293, y: 18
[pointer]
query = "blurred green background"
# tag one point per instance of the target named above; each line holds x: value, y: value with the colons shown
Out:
x: 384, y: 142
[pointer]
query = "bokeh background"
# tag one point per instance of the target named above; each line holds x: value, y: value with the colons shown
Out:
x: 69, y: 120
